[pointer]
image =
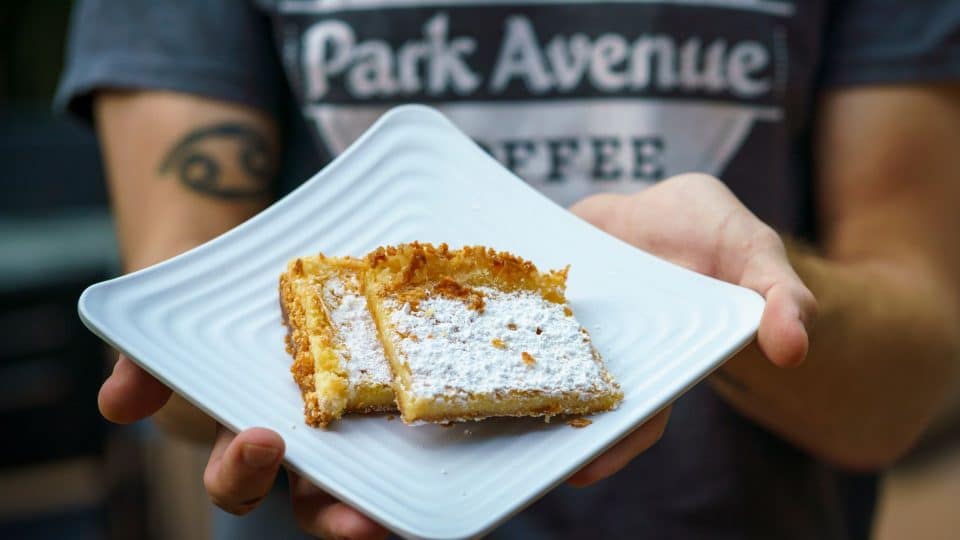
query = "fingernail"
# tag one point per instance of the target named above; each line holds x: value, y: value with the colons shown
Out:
x: 259, y: 457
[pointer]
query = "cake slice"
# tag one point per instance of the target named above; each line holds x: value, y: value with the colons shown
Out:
x: 339, y: 362
x: 473, y: 333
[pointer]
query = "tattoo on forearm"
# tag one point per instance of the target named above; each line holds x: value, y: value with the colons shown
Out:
x: 198, y: 161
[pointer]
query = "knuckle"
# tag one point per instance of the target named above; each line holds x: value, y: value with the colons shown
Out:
x: 766, y: 237
x: 697, y: 178
x: 594, y: 200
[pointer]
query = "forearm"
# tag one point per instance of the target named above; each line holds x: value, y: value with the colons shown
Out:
x: 882, y: 362
x: 181, y: 170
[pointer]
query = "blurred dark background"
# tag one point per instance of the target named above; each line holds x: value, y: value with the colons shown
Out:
x: 64, y: 472
x: 55, y: 238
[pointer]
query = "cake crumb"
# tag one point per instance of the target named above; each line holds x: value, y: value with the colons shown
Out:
x: 528, y: 358
x: 579, y: 422
x: 451, y: 288
x: 567, y: 311
x: 539, y: 330
x: 467, y: 433
x: 547, y: 418
x: 391, y: 418
x: 512, y: 326
x: 498, y: 343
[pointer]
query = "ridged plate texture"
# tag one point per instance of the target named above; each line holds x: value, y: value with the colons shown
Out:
x: 208, y: 324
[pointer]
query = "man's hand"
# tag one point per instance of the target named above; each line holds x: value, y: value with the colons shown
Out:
x: 165, y: 203
x: 882, y: 362
x: 693, y: 220
x: 243, y: 467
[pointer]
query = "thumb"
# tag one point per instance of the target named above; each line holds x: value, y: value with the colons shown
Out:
x: 130, y: 393
x: 790, y: 309
x: 242, y: 468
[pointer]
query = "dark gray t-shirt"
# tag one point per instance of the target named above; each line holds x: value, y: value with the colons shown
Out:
x: 576, y: 98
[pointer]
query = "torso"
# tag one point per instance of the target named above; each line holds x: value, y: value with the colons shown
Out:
x: 586, y: 97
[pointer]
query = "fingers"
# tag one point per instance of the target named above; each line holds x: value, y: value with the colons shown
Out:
x: 320, y: 514
x: 242, y: 468
x: 130, y: 393
x: 790, y: 308
x: 623, y: 452
x: 241, y: 472
x: 598, y: 209
x: 783, y: 336
x: 696, y: 222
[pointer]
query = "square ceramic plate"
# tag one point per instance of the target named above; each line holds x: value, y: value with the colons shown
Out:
x: 207, y: 323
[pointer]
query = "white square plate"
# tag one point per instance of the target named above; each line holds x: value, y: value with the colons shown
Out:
x: 207, y: 323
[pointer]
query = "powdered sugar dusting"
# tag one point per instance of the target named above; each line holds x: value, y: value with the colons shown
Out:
x: 450, y: 347
x: 347, y: 308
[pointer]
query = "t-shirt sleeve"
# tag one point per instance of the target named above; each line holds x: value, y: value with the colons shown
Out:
x: 220, y: 49
x: 893, y: 41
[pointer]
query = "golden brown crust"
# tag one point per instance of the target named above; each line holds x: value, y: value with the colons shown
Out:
x: 514, y: 404
x: 301, y: 304
x: 448, y: 287
x: 408, y: 270
x: 298, y: 344
x: 409, y: 273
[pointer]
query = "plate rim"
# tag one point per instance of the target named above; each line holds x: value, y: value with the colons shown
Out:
x: 478, y: 527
